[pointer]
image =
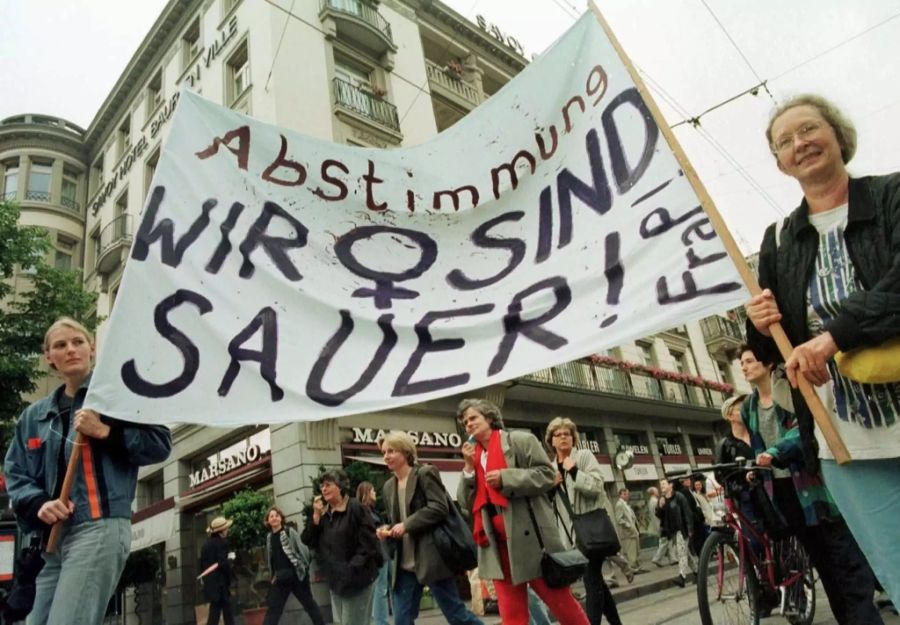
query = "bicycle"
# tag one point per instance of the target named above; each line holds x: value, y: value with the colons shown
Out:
x: 743, y: 574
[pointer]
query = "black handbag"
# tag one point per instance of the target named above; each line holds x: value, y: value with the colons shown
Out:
x: 595, y: 534
x: 453, y: 541
x: 560, y: 569
x: 452, y: 538
x: 20, y: 600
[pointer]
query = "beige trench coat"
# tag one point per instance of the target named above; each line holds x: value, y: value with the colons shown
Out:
x: 528, y: 477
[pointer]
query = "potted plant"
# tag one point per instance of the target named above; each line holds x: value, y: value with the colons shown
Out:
x: 247, y: 535
x: 141, y: 567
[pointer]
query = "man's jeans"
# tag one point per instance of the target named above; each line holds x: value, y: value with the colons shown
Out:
x: 77, y: 581
x: 408, y: 593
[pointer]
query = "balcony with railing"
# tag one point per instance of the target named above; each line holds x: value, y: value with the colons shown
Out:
x: 360, y: 22
x: 37, y: 196
x: 351, y: 98
x: 71, y: 204
x: 586, y: 375
x: 113, y: 244
x: 721, y: 334
x: 449, y: 85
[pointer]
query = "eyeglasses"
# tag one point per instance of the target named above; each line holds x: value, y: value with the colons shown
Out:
x: 562, y: 434
x: 782, y: 143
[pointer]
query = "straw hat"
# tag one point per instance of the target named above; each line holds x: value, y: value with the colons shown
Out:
x: 218, y: 524
x: 731, y: 401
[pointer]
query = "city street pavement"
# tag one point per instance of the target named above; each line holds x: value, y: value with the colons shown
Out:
x: 654, y: 599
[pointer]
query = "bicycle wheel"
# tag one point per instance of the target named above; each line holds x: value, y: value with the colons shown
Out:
x: 800, y: 596
x: 727, y: 589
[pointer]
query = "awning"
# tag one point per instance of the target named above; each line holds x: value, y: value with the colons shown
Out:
x: 377, y: 460
x: 156, y: 529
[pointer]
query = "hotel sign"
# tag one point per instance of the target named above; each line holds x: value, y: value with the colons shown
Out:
x: 213, y: 51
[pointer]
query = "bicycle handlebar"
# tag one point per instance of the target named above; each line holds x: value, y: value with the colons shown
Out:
x: 739, y: 464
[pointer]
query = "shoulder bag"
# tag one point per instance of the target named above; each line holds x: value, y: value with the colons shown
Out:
x: 595, y: 534
x: 559, y: 569
x: 453, y: 539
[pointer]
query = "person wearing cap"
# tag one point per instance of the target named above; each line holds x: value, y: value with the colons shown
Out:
x: 216, y: 573
x: 735, y: 444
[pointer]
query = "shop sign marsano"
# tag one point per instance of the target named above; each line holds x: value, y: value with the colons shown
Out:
x: 226, y: 464
x: 422, y: 439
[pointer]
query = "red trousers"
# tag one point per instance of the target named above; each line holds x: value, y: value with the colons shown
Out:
x: 513, y: 599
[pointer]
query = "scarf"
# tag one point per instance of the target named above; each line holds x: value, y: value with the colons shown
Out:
x: 485, y: 494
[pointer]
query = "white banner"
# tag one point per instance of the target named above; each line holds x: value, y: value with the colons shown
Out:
x: 276, y: 277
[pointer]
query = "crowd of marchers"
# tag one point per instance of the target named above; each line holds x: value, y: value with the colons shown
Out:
x: 830, y: 273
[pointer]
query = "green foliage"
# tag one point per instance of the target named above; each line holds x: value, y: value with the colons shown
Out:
x: 359, y: 472
x: 53, y: 293
x: 142, y: 566
x: 247, y: 509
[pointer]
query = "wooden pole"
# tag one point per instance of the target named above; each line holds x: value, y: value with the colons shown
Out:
x: 53, y: 541
x: 823, y: 419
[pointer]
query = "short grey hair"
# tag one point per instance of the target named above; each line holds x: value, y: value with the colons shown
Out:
x: 843, y: 128
x: 488, y: 409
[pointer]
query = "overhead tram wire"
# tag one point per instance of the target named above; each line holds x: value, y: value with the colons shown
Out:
x: 278, y: 48
x: 718, y: 147
x: 573, y: 13
x: 836, y: 46
x: 695, y: 120
x: 760, y: 81
x: 706, y: 136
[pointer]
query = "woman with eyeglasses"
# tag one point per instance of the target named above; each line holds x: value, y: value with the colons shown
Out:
x: 580, y: 481
x: 831, y: 275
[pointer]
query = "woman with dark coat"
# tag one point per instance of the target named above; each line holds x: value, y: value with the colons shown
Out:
x: 416, y: 503
x: 216, y: 572
x: 505, y: 474
x: 288, y: 561
x: 831, y: 276
x: 343, y: 534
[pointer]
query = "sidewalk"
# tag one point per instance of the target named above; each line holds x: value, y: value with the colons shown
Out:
x: 654, y: 580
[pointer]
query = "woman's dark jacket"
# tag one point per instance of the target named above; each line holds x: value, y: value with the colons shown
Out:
x: 674, y: 515
x: 215, y: 585
x: 427, y: 504
x: 868, y: 317
x: 346, y: 548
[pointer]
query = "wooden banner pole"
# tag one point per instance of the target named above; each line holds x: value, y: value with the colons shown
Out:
x: 823, y: 419
x: 71, y: 468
